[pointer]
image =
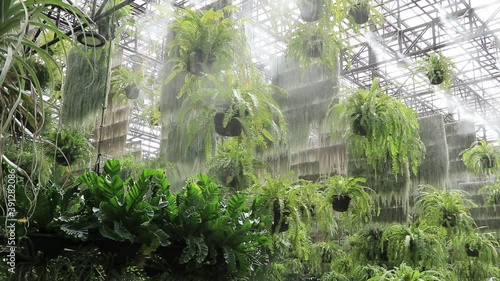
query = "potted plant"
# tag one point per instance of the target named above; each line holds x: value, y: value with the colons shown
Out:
x: 318, y: 41
x: 438, y: 68
x: 71, y: 146
x: 360, y: 11
x: 409, y: 273
x: 126, y: 81
x: 482, y: 157
x: 283, y: 199
x: 418, y: 245
x: 481, y: 244
x: 234, y: 165
x: 203, y: 39
x: 377, y: 127
x: 491, y: 193
x: 340, y: 191
x: 367, y: 244
x: 449, y: 208
x: 241, y: 97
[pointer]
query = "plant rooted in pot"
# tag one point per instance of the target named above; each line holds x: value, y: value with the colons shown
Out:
x: 344, y: 191
x: 204, y: 39
x: 360, y: 12
x: 309, y: 42
x: 449, y: 208
x: 482, y: 158
x: 377, y: 127
x: 438, y: 68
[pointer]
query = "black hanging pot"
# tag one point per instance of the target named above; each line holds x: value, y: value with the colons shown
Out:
x: 449, y: 220
x: 357, y: 127
x: 280, y: 218
x: 488, y: 162
x: 310, y: 10
x: 65, y: 157
x: 360, y: 13
x: 471, y: 252
x: 132, y: 91
x: 314, y: 46
x: 340, y: 203
x: 196, y: 63
x: 436, y: 78
x: 233, y: 127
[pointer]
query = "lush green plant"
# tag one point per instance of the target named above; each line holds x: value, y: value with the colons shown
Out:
x: 419, y: 246
x: 307, y: 41
x: 349, y: 9
x: 367, y: 245
x: 215, y: 238
x: 482, y: 157
x: 71, y: 146
x: 234, y: 165
x: 204, y: 39
x: 449, y: 208
x: 481, y: 246
x: 408, y: 273
x: 282, y: 198
x: 438, y: 68
x: 363, y: 198
x: 491, y: 193
x: 242, y: 94
x: 380, y: 128
x: 17, y: 46
x: 124, y: 209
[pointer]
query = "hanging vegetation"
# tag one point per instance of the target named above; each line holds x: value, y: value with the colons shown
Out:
x: 448, y: 208
x: 341, y: 191
x: 378, y: 127
x: 482, y: 157
x: 86, y: 85
x: 242, y: 95
x: 69, y: 146
x: 204, y: 41
x: 491, y: 193
x: 318, y: 41
x: 234, y: 165
x: 438, y: 68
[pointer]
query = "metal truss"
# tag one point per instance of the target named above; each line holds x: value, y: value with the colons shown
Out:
x: 411, y: 30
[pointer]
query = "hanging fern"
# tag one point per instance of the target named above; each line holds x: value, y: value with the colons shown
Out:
x: 379, y: 128
x: 86, y: 86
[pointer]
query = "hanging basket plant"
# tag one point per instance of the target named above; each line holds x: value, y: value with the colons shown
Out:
x: 199, y: 63
x: 311, y: 42
x: 378, y: 127
x: 449, y: 208
x: 203, y: 39
x: 482, y: 158
x: 343, y: 192
x: 491, y: 193
x: 249, y: 110
x: 438, y: 68
x: 310, y: 10
x: 69, y: 146
x: 360, y: 12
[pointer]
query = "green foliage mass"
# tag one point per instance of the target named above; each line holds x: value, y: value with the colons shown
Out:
x: 378, y: 127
